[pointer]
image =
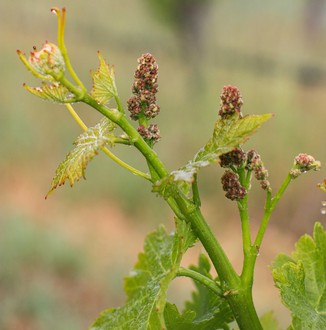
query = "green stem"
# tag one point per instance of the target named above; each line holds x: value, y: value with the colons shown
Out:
x: 244, y: 216
x: 219, y: 259
x: 202, y: 279
x: 281, y: 191
x: 270, y: 205
x: 119, y: 105
x: 238, y: 296
x: 243, y: 308
x: 253, y: 251
x: 195, y: 192
x: 79, y: 93
x: 248, y: 267
x: 154, y: 175
x: 122, y: 140
x: 62, y: 46
x: 78, y: 120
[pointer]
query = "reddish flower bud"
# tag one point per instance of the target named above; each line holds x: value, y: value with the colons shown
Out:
x: 303, y: 163
x: 265, y: 185
x: 236, y: 157
x: 152, y: 110
x: 251, y: 157
x: 294, y: 172
x: 151, y: 133
x: 231, y: 101
x: 144, y: 88
x: 306, y: 162
x: 134, y: 107
x: 254, y: 163
x: 232, y: 187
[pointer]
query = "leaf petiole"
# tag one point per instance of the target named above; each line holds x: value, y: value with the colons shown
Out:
x: 202, y: 279
x: 76, y: 117
x: 62, y: 47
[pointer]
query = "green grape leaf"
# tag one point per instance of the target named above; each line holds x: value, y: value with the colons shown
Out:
x: 302, y: 280
x: 87, y: 145
x: 205, y: 311
x: 211, y: 310
x: 104, y: 87
x: 228, y: 133
x: 176, y: 321
x: 147, y: 284
x: 52, y: 92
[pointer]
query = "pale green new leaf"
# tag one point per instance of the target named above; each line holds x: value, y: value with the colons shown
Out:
x: 87, y: 145
x: 52, y: 92
x: 147, y: 285
x: 104, y: 87
x: 302, y: 281
x: 228, y: 133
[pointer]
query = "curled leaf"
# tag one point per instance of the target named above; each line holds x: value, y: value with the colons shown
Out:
x: 52, y: 92
x: 87, y: 145
x: 104, y: 87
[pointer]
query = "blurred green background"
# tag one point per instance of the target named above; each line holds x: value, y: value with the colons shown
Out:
x: 62, y: 260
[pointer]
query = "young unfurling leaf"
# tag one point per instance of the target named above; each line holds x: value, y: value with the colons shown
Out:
x: 231, y: 132
x: 104, y: 87
x: 54, y: 93
x: 87, y: 145
x: 302, y: 281
x: 228, y: 133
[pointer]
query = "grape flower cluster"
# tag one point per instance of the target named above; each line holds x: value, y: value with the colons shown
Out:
x: 142, y: 105
x: 236, y: 160
x: 304, y: 163
x: 231, y: 101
